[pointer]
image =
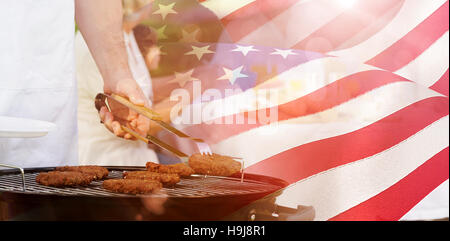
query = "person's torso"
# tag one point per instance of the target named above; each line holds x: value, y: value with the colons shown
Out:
x: 137, y: 65
x: 37, y: 78
x: 36, y: 44
x: 97, y: 145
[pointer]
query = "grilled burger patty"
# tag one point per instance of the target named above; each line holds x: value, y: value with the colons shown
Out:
x: 180, y: 169
x: 64, y: 179
x: 165, y: 178
x: 96, y: 171
x: 215, y: 165
x: 132, y: 186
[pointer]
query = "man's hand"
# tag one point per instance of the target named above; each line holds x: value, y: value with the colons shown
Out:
x: 121, y: 115
x: 100, y: 22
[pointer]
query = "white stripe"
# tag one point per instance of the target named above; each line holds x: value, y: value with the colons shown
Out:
x: 374, y: 25
x: 294, y: 24
x: 433, y: 206
x: 428, y: 67
x: 411, y: 14
x: 309, y: 77
x: 223, y: 8
x: 339, y: 189
x: 348, y: 117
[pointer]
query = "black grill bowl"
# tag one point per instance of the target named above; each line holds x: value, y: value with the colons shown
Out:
x: 195, y: 198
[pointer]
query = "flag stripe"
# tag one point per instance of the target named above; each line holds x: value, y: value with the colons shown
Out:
x: 339, y: 189
x: 223, y: 8
x: 415, y: 42
x: 306, y: 160
x: 346, y: 25
x: 349, y: 132
x: 374, y: 26
x: 309, y: 77
x: 439, y: 198
x: 339, y: 120
x: 294, y: 24
x: 415, y: 12
x: 397, y: 200
x: 246, y: 19
x: 331, y: 95
x: 441, y: 85
x: 428, y: 67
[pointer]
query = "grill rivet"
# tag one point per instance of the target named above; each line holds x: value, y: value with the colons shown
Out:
x: 252, y: 215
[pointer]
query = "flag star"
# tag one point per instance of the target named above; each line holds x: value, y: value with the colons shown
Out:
x: 189, y: 37
x: 233, y: 75
x: 160, y: 32
x: 165, y: 10
x: 284, y: 53
x: 199, y: 51
x: 183, y: 78
x: 244, y: 49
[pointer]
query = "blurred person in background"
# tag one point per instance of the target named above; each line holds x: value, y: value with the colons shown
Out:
x: 96, y: 144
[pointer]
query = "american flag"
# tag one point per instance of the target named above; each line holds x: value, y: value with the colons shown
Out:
x: 362, y: 86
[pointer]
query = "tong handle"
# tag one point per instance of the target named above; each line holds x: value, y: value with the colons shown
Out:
x: 100, y: 101
x: 140, y: 109
x: 157, y: 142
x: 152, y: 115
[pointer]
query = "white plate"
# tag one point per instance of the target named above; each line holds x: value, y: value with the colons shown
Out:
x: 11, y: 127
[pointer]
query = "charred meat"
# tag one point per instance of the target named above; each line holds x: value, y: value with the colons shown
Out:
x: 214, y: 165
x: 64, y: 179
x: 180, y: 169
x: 165, y: 178
x: 132, y: 186
x: 96, y: 171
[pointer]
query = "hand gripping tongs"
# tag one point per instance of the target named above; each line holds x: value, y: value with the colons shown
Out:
x: 102, y: 100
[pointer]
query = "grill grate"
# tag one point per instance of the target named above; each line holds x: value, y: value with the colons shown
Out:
x: 193, y: 187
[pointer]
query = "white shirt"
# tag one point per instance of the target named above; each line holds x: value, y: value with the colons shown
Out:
x: 96, y: 144
x: 37, y: 79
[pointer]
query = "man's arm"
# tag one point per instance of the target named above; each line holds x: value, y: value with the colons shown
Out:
x: 132, y: 20
x: 100, y: 22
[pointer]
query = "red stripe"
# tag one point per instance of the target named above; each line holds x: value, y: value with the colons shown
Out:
x: 397, y: 200
x: 327, y: 97
x: 347, y: 25
x: 441, y: 85
x: 309, y: 159
x: 248, y: 18
x: 414, y: 43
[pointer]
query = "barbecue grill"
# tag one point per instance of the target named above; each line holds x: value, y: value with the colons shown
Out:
x: 195, y: 198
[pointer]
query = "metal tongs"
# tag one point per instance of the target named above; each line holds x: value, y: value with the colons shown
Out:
x: 102, y: 100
